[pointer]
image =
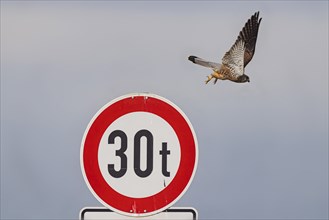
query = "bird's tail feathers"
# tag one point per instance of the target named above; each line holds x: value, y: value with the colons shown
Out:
x: 192, y: 58
x: 202, y: 62
x: 197, y: 60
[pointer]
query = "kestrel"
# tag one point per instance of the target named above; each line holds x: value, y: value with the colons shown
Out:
x: 237, y: 58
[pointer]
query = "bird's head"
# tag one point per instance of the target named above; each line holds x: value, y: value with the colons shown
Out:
x: 243, y: 78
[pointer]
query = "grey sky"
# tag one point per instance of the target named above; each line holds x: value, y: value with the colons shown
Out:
x: 263, y: 146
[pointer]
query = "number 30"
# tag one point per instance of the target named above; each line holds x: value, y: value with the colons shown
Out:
x: 137, y: 151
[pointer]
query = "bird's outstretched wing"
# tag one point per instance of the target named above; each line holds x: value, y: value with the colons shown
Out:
x: 234, y: 58
x: 249, y: 35
x: 205, y: 63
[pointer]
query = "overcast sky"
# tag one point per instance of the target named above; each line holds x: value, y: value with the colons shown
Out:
x: 263, y: 145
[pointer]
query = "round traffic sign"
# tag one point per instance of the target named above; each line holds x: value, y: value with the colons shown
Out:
x: 139, y: 154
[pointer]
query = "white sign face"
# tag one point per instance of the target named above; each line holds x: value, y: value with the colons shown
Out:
x: 169, y: 214
x: 139, y: 154
x: 157, y: 164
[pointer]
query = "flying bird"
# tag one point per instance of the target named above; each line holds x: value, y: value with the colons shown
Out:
x: 237, y: 58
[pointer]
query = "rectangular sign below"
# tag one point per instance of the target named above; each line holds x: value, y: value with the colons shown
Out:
x: 102, y: 213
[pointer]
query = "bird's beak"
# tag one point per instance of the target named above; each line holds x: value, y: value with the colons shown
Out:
x: 248, y: 80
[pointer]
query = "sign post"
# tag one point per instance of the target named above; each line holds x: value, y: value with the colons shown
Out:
x: 139, y: 154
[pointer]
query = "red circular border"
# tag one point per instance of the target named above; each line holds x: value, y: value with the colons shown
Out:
x: 184, y: 173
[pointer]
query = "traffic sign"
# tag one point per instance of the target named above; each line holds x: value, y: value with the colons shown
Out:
x: 139, y: 154
x: 169, y: 214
